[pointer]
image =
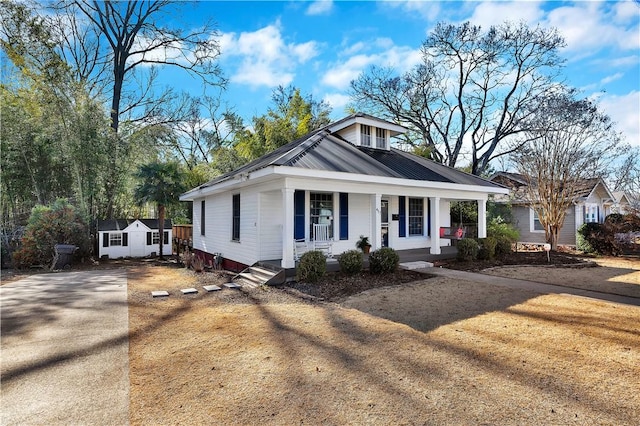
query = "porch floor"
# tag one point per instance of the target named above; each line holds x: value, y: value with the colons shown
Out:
x: 413, y: 255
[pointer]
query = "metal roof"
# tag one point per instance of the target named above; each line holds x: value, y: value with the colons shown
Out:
x: 323, y: 150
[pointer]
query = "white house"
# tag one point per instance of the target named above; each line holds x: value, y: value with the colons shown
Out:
x: 593, y: 202
x: 345, y: 176
x: 132, y: 238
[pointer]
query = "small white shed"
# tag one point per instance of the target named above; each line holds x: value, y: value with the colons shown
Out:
x: 132, y: 238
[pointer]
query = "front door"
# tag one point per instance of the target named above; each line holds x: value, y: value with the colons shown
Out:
x: 137, y: 242
x: 384, y: 225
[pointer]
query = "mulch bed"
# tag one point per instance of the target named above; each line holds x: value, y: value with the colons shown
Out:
x: 336, y: 285
x: 520, y: 258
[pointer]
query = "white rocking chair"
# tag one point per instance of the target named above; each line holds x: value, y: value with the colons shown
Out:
x: 300, y: 247
x: 321, y: 239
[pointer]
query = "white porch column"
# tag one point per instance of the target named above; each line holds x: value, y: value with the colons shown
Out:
x: 435, y: 224
x: 376, y: 221
x: 482, y: 218
x: 287, y: 229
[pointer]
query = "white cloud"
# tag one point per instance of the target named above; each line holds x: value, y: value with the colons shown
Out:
x: 491, y: 13
x: 428, y: 10
x: 589, y: 26
x: 338, y: 101
x: 625, y: 111
x: 265, y: 58
x: 320, y: 7
x: 399, y: 57
x: 610, y: 78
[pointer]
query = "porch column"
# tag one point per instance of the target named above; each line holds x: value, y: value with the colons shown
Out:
x: 435, y: 224
x: 376, y: 221
x: 287, y: 229
x: 482, y: 218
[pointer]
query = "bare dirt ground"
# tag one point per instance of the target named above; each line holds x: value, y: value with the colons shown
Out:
x: 433, y: 351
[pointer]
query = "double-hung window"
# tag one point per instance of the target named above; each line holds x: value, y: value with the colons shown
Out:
x: 155, y: 237
x: 321, y: 210
x: 416, y: 216
x: 536, y: 226
x: 381, y: 138
x: 366, y: 135
x: 115, y: 239
x: 235, y: 227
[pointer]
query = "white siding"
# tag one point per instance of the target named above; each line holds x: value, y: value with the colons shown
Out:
x: 271, y: 221
x: 350, y: 134
x: 136, y: 247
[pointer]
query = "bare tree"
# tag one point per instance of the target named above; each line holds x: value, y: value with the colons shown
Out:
x: 569, y: 141
x: 471, y: 86
x: 134, y: 37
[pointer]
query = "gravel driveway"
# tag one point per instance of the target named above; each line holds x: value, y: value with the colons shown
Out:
x: 65, y: 349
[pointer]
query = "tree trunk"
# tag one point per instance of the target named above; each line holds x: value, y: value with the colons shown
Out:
x: 161, y: 227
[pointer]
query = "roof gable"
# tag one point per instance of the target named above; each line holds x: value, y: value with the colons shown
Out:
x: 128, y: 224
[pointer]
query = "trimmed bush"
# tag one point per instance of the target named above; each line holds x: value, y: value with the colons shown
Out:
x: 503, y: 247
x: 487, y: 250
x: 614, y: 218
x: 383, y: 261
x: 467, y: 249
x: 351, y: 262
x: 312, y: 266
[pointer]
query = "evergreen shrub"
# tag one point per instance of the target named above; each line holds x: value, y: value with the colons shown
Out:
x: 351, y: 262
x: 312, y: 266
x: 384, y: 260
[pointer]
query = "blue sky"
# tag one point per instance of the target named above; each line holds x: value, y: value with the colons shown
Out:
x: 321, y: 46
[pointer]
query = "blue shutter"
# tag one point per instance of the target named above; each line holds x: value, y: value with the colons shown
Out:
x: 298, y: 215
x: 428, y: 217
x: 402, y: 216
x: 344, y: 216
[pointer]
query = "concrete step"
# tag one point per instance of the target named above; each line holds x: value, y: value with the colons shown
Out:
x: 263, y: 273
x: 247, y: 276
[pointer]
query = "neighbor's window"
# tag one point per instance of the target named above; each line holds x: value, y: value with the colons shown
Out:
x: 321, y: 210
x: 381, y: 138
x: 235, y: 231
x: 537, y: 226
x: 591, y: 213
x: 366, y: 135
x: 416, y: 216
x: 115, y: 239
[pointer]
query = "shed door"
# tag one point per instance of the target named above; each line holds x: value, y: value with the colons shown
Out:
x: 137, y: 244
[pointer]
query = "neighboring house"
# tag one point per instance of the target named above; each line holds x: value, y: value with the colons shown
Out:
x: 592, y: 203
x: 346, y: 176
x: 132, y: 238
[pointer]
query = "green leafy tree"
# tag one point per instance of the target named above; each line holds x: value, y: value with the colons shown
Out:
x: 161, y: 184
x: 291, y: 117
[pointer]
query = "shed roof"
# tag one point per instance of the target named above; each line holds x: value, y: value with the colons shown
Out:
x: 121, y: 224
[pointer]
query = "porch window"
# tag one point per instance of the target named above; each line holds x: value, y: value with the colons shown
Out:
x: 321, y: 210
x: 366, y: 135
x: 536, y: 225
x: 416, y: 216
x: 381, y: 138
x: 235, y: 227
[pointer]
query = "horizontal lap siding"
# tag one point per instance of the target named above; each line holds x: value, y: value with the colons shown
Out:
x: 567, y: 235
x: 359, y: 223
x: 217, y: 238
x: 271, y: 221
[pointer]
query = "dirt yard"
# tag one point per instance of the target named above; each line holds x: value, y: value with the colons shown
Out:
x: 434, y: 351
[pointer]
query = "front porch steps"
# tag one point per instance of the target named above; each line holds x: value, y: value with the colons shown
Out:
x: 258, y: 274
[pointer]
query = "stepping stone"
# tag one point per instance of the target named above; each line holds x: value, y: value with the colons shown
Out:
x: 232, y: 285
x: 211, y: 287
x: 189, y: 290
x: 159, y: 293
x: 415, y: 265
